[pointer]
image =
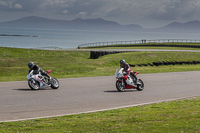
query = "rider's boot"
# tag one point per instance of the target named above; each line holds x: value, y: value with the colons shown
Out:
x: 135, y: 80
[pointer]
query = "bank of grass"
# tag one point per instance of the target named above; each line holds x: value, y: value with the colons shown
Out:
x: 67, y: 64
x: 182, y: 116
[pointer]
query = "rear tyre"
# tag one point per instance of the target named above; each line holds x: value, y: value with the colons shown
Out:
x: 54, y: 83
x: 120, y: 87
x: 140, y: 86
x: 34, y: 85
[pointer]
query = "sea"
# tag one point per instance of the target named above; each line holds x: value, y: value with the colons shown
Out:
x: 71, y: 39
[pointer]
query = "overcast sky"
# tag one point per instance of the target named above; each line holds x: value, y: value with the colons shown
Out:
x: 147, y: 13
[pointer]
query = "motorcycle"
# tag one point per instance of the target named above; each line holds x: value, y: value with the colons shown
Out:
x: 125, y: 81
x: 37, y: 81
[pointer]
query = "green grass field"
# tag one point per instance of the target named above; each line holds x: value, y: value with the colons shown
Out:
x: 181, y: 116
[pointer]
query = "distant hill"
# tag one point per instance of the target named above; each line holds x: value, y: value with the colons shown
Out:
x: 97, y: 24
x: 79, y: 24
x: 190, y: 26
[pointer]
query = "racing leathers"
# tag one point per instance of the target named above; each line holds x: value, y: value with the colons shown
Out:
x: 128, y: 71
x: 36, y: 69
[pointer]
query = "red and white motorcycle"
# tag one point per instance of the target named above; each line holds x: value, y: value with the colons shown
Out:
x: 37, y: 81
x: 125, y: 81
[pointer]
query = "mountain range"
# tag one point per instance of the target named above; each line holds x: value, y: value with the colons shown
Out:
x: 190, y: 26
x: 96, y: 24
x: 77, y: 24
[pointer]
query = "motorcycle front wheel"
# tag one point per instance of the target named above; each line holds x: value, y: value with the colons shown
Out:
x: 54, y: 83
x: 119, y: 86
x: 140, y: 86
x: 34, y: 85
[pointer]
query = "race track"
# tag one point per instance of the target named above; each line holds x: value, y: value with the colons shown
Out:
x: 81, y: 95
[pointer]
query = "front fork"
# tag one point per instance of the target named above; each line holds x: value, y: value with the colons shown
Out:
x: 122, y: 82
x: 33, y: 81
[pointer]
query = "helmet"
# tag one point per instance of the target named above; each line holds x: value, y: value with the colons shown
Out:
x: 30, y: 65
x: 122, y: 61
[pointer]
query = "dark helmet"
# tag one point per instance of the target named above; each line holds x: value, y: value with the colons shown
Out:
x: 30, y: 65
x: 122, y: 61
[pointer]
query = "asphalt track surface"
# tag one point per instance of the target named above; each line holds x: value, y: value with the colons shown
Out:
x: 83, y: 95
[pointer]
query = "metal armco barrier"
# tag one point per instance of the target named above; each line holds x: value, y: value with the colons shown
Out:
x: 139, y: 42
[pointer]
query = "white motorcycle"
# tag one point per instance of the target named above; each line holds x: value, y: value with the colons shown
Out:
x: 125, y: 81
x: 37, y: 81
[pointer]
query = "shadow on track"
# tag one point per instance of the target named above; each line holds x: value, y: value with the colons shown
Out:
x: 116, y: 91
x: 26, y: 89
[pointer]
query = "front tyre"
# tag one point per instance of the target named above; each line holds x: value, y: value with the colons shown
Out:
x: 54, y: 83
x: 140, y: 86
x: 34, y: 85
x: 120, y: 87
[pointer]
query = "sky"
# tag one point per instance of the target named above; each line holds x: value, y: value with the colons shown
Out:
x: 147, y: 13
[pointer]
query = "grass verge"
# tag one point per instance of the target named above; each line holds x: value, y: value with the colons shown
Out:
x: 182, y: 116
x: 176, y: 116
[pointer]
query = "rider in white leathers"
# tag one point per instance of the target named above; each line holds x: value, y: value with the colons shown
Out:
x: 128, y: 70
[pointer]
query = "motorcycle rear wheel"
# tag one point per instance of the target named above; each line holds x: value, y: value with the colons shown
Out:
x: 140, y: 86
x: 54, y: 83
x: 33, y: 86
x: 120, y: 87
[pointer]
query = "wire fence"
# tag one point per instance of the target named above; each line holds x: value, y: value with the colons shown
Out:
x: 143, y: 41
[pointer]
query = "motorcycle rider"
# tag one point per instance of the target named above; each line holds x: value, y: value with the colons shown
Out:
x: 128, y: 70
x: 36, y: 69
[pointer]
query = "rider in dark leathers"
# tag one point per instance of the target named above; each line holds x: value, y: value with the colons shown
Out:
x: 128, y: 70
x: 36, y: 69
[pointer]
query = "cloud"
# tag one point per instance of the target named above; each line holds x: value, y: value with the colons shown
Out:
x: 82, y: 14
x: 17, y: 6
x: 120, y: 10
x: 65, y: 11
x: 47, y: 4
x: 3, y: 3
x: 9, y: 5
x: 177, y: 10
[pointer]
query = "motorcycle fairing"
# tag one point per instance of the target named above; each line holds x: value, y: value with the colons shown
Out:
x: 49, y: 71
x: 136, y: 73
x: 130, y: 86
x: 129, y: 82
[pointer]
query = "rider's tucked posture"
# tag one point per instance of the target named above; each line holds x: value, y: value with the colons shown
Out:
x: 36, y: 69
x: 128, y: 70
